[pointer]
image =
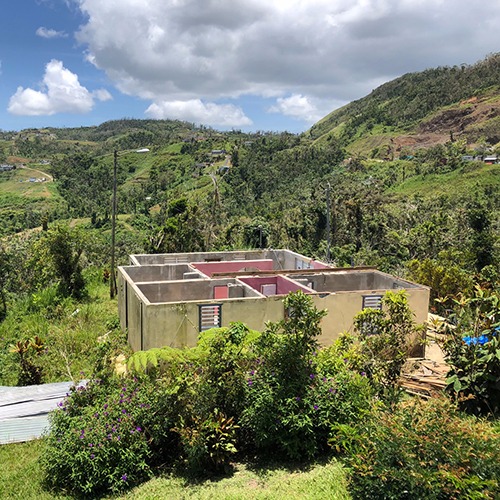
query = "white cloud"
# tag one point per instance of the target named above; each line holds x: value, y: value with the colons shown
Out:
x: 61, y: 93
x: 50, y: 33
x: 297, y: 106
x: 194, y: 110
x: 203, y: 51
x: 102, y: 95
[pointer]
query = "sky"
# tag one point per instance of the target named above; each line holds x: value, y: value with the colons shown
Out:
x: 249, y: 65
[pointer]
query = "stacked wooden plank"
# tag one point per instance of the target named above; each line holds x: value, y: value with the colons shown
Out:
x: 427, y: 378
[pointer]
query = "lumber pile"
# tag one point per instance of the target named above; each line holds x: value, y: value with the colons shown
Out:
x: 426, y: 378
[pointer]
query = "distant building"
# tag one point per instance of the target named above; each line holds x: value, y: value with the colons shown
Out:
x: 490, y: 160
x: 7, y: 168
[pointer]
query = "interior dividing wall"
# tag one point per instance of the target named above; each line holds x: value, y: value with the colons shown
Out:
x: 210, y: 268
x: 141, y: 274
x: 186, y: 291
x: 283, y: 284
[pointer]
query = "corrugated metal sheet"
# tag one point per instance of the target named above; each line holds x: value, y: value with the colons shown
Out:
x: 24, y: 410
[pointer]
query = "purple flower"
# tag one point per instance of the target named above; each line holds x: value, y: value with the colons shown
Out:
x: 311, y: 376
x: 92, y: 456
x: 315, y: 407
x: 250, y: 381
x: 124, y: 411
x: 138, y: 429
x: 252, y: 372
x: 297, y: 398
x: 106, y: 405
x: 363, y: 374
x: 124, y: 477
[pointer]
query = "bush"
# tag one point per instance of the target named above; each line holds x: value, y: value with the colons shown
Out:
x: 279, y: 414
x: 472, y: 350
x: 385, y: 342
x: 108, y: 436
x: 423, y: 450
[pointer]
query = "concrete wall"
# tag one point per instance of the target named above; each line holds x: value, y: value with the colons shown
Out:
x: 141, y: 274
x: 189, y: 290
x: 158, y: 312
x: 209, y: 268
x: 282, y: 283
x: 176, y: 258
x: 342, y: 307
x: 176, y: 325
x: 353, y: 280
x: 282, y: 259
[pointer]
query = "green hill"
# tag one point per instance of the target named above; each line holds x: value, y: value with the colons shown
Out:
x: 421, y: 110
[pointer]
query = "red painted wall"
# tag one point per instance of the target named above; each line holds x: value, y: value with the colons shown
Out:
x: 283, y: 285
x: 209, y: 268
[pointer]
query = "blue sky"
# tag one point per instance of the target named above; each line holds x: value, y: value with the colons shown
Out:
x: 242, y: 64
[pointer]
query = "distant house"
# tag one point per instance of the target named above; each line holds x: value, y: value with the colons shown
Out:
x: 490, y: 160
x: 467, y: 158
x: 223, y: 170
x: 7, y: 168
x: 216, y: 152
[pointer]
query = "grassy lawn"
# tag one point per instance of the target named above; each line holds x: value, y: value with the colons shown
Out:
x: 22, y: 478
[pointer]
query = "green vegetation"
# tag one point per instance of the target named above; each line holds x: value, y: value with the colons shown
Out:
x: 249, y: 482
x: 404, y: 196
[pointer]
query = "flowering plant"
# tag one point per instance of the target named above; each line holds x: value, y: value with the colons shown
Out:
x: 103, y: 436
x: 472, y: 350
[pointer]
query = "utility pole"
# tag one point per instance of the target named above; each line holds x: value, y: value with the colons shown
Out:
x: 328, y: 230
x: 112, y: 277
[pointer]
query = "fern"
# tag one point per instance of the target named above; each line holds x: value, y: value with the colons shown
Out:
x: 142, y: 361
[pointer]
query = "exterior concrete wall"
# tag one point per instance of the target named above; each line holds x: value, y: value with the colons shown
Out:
x: 342, y: 307
x: 282, y: 259
x: 353, y: 280
x: 176, y: 325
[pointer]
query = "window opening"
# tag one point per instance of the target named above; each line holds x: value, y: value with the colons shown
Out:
x: 210, y: 316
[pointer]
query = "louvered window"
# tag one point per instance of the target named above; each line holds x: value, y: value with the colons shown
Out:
x: 210, y: 316
x: 372, y: 301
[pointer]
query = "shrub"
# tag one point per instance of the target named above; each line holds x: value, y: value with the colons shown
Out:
x: 27, y: 353
x: 279, y: 413
x: 423, y: 450
x: 212, y: 398
x: 108, y: 436
x: 384, y: 339
x: 472, y: 350
x: 208, y: 443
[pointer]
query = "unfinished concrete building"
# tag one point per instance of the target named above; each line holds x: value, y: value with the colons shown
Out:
x: 168, y: 299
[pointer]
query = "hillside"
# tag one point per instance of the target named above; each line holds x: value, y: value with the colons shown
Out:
x: 420, y: 110
x: 394, y: 161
